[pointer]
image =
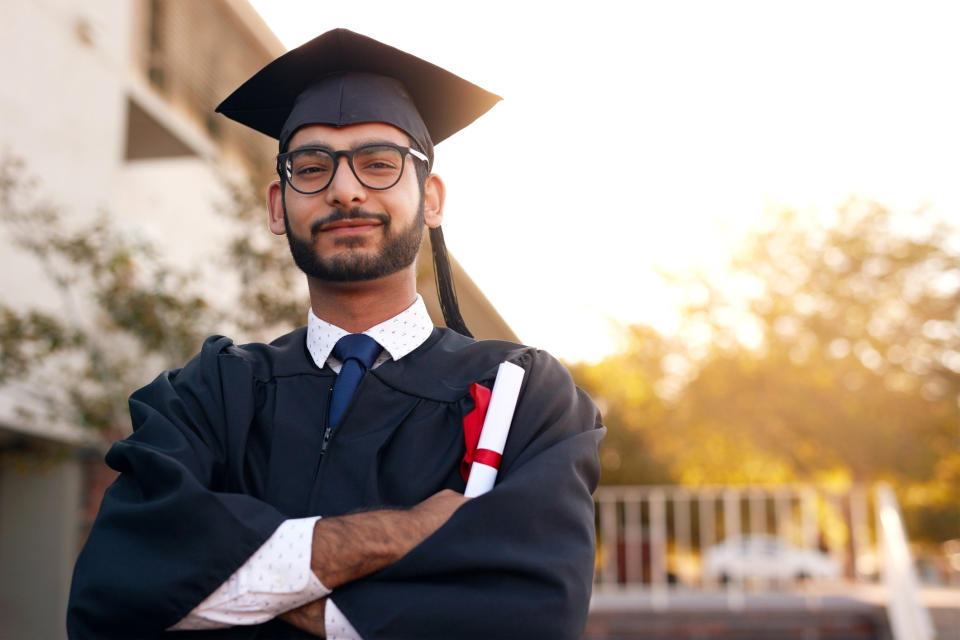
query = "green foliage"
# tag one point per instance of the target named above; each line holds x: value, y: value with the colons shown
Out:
x: 625, y: 388
x: 271, y: 292
x: 840, y: 364
x: 122, y: 311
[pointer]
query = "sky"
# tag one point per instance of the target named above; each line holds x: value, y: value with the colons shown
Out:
x: 643, y: 136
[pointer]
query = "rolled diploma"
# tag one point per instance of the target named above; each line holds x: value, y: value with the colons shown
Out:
x: 496, y: 426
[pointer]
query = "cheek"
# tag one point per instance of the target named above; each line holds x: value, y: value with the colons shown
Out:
x: 299, y: 225
x: 299, y: 210
x: 407, y: 199
x: 411, y: 204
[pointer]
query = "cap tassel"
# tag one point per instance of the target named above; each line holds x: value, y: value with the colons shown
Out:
x: 444, y: 276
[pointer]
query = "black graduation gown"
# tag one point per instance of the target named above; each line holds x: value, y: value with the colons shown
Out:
x: 228, y: 447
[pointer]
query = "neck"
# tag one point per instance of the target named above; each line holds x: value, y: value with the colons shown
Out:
x: 357, y: 306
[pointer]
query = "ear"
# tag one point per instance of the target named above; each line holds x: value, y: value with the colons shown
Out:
x: 275, y: 208
x: 434, y: 194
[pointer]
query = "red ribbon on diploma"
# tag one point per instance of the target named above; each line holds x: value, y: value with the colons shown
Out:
x: 472, y: 426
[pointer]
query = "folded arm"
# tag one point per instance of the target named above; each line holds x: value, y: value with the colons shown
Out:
x: 516, y: 562
x: 277, y: 581
x: 350, y: 547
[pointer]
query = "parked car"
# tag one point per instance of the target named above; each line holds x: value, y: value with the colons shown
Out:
x: 765, y: 557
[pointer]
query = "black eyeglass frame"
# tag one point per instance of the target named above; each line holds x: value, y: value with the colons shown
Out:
x: 282, y: 158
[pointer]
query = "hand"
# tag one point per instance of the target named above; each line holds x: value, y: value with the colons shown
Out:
x: 349, y: 547
x: 308, y: 617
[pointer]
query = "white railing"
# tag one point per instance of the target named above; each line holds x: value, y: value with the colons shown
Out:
x: 651, y: 541
x: 654, y: 536
x: 909, y: 619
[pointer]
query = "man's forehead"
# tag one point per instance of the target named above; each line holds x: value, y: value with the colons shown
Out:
x: 348, y: 135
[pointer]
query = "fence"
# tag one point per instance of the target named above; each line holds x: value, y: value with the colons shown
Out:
x: 661, y: 541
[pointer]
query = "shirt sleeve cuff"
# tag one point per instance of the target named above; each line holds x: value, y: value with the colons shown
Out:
x: 336, y: 624
x: 276, y: 578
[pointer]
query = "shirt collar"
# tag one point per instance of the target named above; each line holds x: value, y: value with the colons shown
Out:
x: 398, y: 335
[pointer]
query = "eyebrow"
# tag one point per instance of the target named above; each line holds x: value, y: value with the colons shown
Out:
x: 318, y: 144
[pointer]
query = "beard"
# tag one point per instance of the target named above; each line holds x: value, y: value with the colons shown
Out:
x: 400, y: 249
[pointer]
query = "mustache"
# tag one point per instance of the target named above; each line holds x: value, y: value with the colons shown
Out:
x: 355, y: 213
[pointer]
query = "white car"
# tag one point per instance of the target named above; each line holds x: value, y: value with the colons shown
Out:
x: 765, y: 557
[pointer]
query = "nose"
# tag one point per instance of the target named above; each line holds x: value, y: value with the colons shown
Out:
x: 345, y: 191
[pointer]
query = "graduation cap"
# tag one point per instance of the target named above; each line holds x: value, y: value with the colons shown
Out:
x: 341, y: 78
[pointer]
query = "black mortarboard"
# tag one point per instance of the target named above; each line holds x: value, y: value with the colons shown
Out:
x: 341, y: 78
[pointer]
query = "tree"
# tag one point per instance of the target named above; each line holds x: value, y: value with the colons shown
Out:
x: 123, y: 312
x: 625, y: 387
x: 271, y: 292
x: 841, y: 364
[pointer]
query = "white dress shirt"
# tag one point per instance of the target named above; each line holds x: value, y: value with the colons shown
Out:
x: 277, y: 577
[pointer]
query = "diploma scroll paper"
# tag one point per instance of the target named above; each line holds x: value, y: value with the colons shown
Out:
x: 496, y: 426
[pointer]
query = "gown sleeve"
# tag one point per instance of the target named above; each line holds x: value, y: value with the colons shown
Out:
x: 516, y: 562
x: 172, y: 527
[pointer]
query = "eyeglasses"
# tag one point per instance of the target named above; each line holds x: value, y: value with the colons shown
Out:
x: 377, y: 166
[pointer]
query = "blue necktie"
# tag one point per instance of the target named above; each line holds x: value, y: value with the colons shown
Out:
x: 357, y: 352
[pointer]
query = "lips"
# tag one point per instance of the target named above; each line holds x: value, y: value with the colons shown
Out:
x: 350, y: 225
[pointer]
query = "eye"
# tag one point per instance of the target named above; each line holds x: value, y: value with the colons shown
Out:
x: 377, y: 159
x: 310, y: 169
x: 310, y: 163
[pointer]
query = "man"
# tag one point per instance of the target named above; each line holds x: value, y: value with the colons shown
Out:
x: 312, y: 487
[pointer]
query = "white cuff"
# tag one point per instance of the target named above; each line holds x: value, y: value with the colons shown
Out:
x: 276, y: 579
x: 336, y: 624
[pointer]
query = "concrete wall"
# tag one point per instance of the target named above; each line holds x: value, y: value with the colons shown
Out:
x: 62, y: 105
x: 39, y: 508
x: 70, y: 82
x: 62, y: 99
